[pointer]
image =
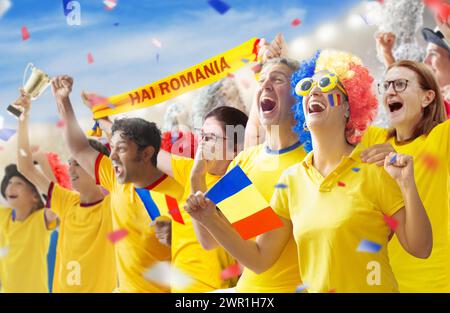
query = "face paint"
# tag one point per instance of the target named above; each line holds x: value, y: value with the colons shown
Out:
x: 334, y: 99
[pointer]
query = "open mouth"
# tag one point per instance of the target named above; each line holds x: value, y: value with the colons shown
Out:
x: 395, y: 106
x: 12, y: 197
x: 316, y: 107
x: 267, y: 105
x: 118, y: 170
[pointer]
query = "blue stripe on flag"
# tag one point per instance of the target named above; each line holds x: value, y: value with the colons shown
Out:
x: 231, y: 183
x: 148, y: 202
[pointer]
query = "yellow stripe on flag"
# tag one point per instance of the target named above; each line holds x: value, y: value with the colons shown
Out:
x: 246, y: 202
x: 190, y: 79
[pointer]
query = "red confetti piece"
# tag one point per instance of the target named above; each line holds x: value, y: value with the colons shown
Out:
x: 110, y: 4
x: 60, y: 123
x: 341, y: 184
x: 296, y: 22
x: 90, y: 58
x: 333, y: 290
x: 392, y: 222
x: 25, y: 33
x: 117, y: 235
x: 257, y: 68
x: 230, y: 75
x: 231, y: 272
x: 430, y: 161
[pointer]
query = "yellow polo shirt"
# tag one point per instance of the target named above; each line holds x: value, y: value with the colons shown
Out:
x: 264, y: 168
x: 330, y: 221
x: 85, y: 260
x: 187, y: 253
x: 431, y: 170
x: 140, y: 249
x: 23, y: 256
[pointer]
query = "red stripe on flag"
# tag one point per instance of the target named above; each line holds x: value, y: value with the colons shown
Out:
x: 174, y: 211
x: 258, y: 223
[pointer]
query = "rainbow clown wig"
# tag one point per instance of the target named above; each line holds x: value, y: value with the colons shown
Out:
x: 357, y: 82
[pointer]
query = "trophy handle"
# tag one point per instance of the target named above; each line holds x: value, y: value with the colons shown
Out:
x: 25, y: 73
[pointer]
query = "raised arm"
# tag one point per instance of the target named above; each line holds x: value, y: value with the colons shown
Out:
x: 25, y: 163
x: 105, y: 123
x: 385, y: 43
x: 414, y: 229
x: 257, y: 255
x: 75, y: 138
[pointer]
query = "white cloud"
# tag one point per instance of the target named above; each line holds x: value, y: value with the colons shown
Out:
x: 4, y: 7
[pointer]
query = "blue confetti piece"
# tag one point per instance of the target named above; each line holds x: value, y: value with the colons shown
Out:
x: 356, y: 169
x: 6, y: 133
x: 66, y: 10
x: 393, y: 159
x: 116, y: 24
x: 13, y: 215
x: 368, y: 246
x: 301, y: 288
x: 281, y: 186
x: 219, y: 6
x: 244, y: 60
x: 157, y: 57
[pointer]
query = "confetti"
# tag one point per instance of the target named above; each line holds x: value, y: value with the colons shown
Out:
x: 341, y: 184
x: 3, y: 252
x: 219, y: 6
x: 104, y: 191
x: 110, y: 4
x: 296, y: 22
x: 392, y: 222
x: 443, y: 12
x: 429, y: 160
x: 66, y: 10
x: 117, y: 235
x: 257, y: 68
x: 165, y: 274
x: 368, y: 246
x: 90, y: 58
x: 301, y: 288
x: 60, y: 123
x: 116, y: 24
x: 231, y: 272
x: 356, y: 169
x: 6, y: 133
x: 281, y: 186
x: 393, y: 159
x: 157, y: 57
x: 156, y: 43
x: 25, y: 33
x: 244, y: 60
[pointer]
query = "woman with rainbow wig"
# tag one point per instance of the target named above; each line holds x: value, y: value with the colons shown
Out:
x: 335, y: 206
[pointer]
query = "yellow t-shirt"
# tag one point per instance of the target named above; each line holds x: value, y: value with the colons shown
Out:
x: 431, y: 169
x: 330, y: 221
x: 85, y: 260
x: 264, y: 168
x: 187, y: 253
x: 24, y: 244
x: 140, y: 249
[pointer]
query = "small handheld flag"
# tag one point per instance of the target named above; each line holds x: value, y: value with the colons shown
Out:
x: 242, y: 204
x: 156, y: 202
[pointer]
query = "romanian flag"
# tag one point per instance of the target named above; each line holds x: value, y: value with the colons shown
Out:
x: 242, y: 204
x: 157, y: 204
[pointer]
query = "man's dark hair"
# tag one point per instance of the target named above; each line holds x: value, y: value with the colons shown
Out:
x: 12, y: 171
x: 229, y: 116
x: 141, y: 132
x: 98, y: 146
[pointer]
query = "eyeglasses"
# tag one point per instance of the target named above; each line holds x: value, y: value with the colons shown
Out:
x: 208, y: 137
x: 325, y: 84
x: 399, y: 85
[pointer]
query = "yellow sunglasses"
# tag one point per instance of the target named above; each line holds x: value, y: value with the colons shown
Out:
x: 326, y: 83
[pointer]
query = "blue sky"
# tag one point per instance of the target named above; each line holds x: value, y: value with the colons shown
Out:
x: 124, y: 56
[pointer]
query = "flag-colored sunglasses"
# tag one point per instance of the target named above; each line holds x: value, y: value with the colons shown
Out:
x: 325, y: 83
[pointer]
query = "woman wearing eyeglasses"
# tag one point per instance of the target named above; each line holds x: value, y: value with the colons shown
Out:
x: 334, y: 205
x: 220, y: 139
x: 418, y: 127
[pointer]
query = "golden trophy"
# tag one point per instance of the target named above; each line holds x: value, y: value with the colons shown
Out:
x: 35, y: 85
